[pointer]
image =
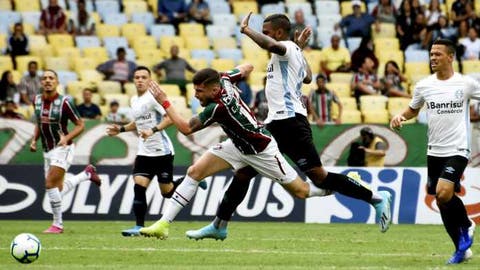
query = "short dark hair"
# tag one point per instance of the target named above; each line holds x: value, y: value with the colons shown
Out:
x: 51, y: 70
x: 446, y: 42
x: 142, y: 68
x: 279, y: 21
x: 206, y: 76
x: 32, y: 63
x: 121, y: 49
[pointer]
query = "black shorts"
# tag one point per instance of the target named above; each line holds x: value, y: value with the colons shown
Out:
x: 294, y: 138
x: 449, y: 168
x: 161, y: 166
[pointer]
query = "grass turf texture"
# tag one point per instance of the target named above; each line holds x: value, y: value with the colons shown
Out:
x: 275, y: 245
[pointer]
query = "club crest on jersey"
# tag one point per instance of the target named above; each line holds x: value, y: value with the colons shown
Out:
x: 459, y: 94
x: 56, y: 102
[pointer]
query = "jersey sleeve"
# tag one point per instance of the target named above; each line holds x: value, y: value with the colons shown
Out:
x: 417, y: 100
x: 232, y: 75
x: 474, y: 88
x: 70, y: 109
x: 209, y: 115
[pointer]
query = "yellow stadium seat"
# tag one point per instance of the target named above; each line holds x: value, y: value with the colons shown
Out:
x: 69, y: 52
x: 375, y: 117
x: 109, y: 87
x: 133, y: 31
x: 241, y: 8
x: 313, y: 58
x: 36, y: 41
x: 44, y: 51
x: 191, y: 30
x: 99, y: 54
x: 22, y: 62
x: 397, y: 103
x: 471, y: 66
x: 387, y: 55
x: 61, y: 40
x: 178, y: 102
x: 25, y: 111
x: 385, y: 44
x: 5, y: 5
x: 28, y: 29
x: 84, y: 63
x: 250, y: 49
x: 147, y: 62
x: 340, y: 77
x: 387, y: 30
x: 222, y: 64
x: 197, y: 64
x: 224, y: 43
x: 91, y: 75
x: 349, y: 103
x: 96, y: 18
x: 373, y: 102
x: 347, y: 9
x: 197, y: 43
x: 167, y: 41
x: 96, y: 98
x: 134, y: 7
x: 416, y: 69
x: 3, y: 41
x: 256, y: 77
x: 351, y: 117
x: 17, y: 76
x: 155, y: 54
x: 107, y: 30
x: 57, y: 63
x: 259, y: 64
x: 144, y: 43
x: 5, y: 63
x: 123, y: 100
x: 130, y: 89
x: 22, y: 5
x: 170, y: 89
x: 308, y: 88
x: 341, y: 89
x: 76, y: 87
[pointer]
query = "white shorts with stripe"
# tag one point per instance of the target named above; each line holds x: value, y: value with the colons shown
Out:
x: 269, y: 163
x: 59, y: 156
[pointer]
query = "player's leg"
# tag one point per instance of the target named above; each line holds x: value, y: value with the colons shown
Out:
x: 208, y: 164
x: 53, y: 184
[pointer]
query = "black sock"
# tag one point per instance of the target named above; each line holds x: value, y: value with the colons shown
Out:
x: 234, y: 195
x: 449, y: 216
x: 461, y: 215
x: 175, y: 185
x: 140, y: 204
x: 346, y: 186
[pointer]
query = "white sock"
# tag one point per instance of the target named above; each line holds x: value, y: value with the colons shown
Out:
x: 182, y: 196
x: 70, y: 183
x: 56, y: 204
x: 316, y: 191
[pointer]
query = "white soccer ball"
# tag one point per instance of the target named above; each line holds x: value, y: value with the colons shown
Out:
x: 25, y: 248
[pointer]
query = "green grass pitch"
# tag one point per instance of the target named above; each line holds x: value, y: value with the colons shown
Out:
x: 250, y: 245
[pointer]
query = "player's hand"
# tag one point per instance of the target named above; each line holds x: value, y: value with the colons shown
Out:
x: 63, y: 140
x: 113, y: 130
x: 144, y: 134
x: 396, y: 122
x: 157, y: 92
x: 244, y: 23
x: 33, y: 146
x: 301, y: 38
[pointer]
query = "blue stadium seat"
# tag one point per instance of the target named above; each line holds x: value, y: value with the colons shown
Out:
x: 61, y: 3
x: 256, y: 22
x: 305, y: 7
x: 8, y: 18
x: 417, y: 56
x: 116, y: 19
x: 235, y: 54
x: 327, y: 7
x: 268, y: 9
x: 131, y: 55
x: 219, y: 7
x: 218, y: 31
x: 105, y: 7
x: 328, y: 21
x: 353, y: 43
x: 112, y: 43
x: 160, y: 30
x: 64, y: 77
x: 226, y: 20
x: 311, y: 20
x: 32, y: 17
x: 87, y: 41
x: 208, y: 55
x: 145, y: 18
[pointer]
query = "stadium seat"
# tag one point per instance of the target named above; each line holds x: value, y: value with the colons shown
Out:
x: 91, y: 75
x: 241, y: 8
x: 347, y: 9
x: 44, y: 51
x: 154, y: 54
x: 219, y: 7
x: 36, y: 41
x: 87, y: 41
x: 22, y: 5
x: 5, y: 5
x: 109, y: 87
x: 208, y: 55
x: 100, y: 54
x: 416, y: 69
x: 170, y: 89
x: 167, y: 41
x: 132, y: 31
x: 22, y: 62
x: 305, y: 7
x: 106, y: 7
x: 218, y: 31
x: 313, y: 58
x: 387, y: 30
x: 338, y: 77
x: 328, y: 21
x: 349, y: 103
x: 397, y: 103
x: 222, y: 64
x: 351, y: 117
x: 57, y: 63
x: 28, y: 29
x: 471, y: 66
x: 417, y: 56
x: 84, y: 63
x: 117, y: 19
x: 130, y: 89
x: 341, y: 89
x: 64, y: 77
x: 228, y: 20
x: 386, y: 44
x: 144, y: 43
x: 197, y: 43
x: 96, y: 98
x: 256, y: 77
x: 224, y: 43
x: 235, y: 54
x: 132, y: 7
x: 8, y: 18
x: 61, y: 3
x: 145, y: 18
x: 274, y: 8
x: 5, y: 63
x: 76, y: 87
x: 196, y: 64
x: 107, y: 30
x: 327, y: 7
x: 259, y: 64
x: 324, y: 35
x: 69, y: 52
x: 160, y: 30
x: 375, y: 116
x: 353, y: 43
x: 191, y: 30
x: 387, y: 55
x: 60, y: 41
x: 31, y: 17
x: 112, y: 43
x: 3, y: 43
x: 373, y: 102
x: 123, y: 100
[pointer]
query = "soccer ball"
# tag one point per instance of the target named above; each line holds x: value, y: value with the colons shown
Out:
x: 25, y: 248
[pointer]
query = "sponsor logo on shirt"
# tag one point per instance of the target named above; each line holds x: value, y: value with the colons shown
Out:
x: 446, y: 107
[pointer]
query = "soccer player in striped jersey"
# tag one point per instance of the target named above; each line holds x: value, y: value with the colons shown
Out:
x: 52, y: 112
x: 287, y: 122
x: 447, y: 95
x: 249, y: 144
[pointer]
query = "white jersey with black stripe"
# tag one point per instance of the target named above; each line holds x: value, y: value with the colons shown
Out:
x: 285, y: 74
x: 448, y: 115
x: 147, y: 113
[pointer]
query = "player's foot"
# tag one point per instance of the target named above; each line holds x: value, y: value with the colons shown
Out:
x: 468, y: 255
x: 208, y: 231
x: 135, y: 231
x: 382, y: 209
x: 457, y: 257
x: 466, y: 236
x: 53, y: 229
x: 91, y: 171
x: 158, y: 229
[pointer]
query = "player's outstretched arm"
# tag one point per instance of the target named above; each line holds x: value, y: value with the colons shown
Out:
x: 262, y: 40
x: 245, y: 69
x: 409, y: 113
x: 302, y: 38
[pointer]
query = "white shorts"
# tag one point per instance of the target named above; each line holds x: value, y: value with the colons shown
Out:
x: 269, y: 163
x: 59, y: 156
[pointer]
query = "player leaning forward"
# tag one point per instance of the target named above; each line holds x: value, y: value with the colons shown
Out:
x: 249, y: 144
x: 447, y: 96
x: 52, y: 112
